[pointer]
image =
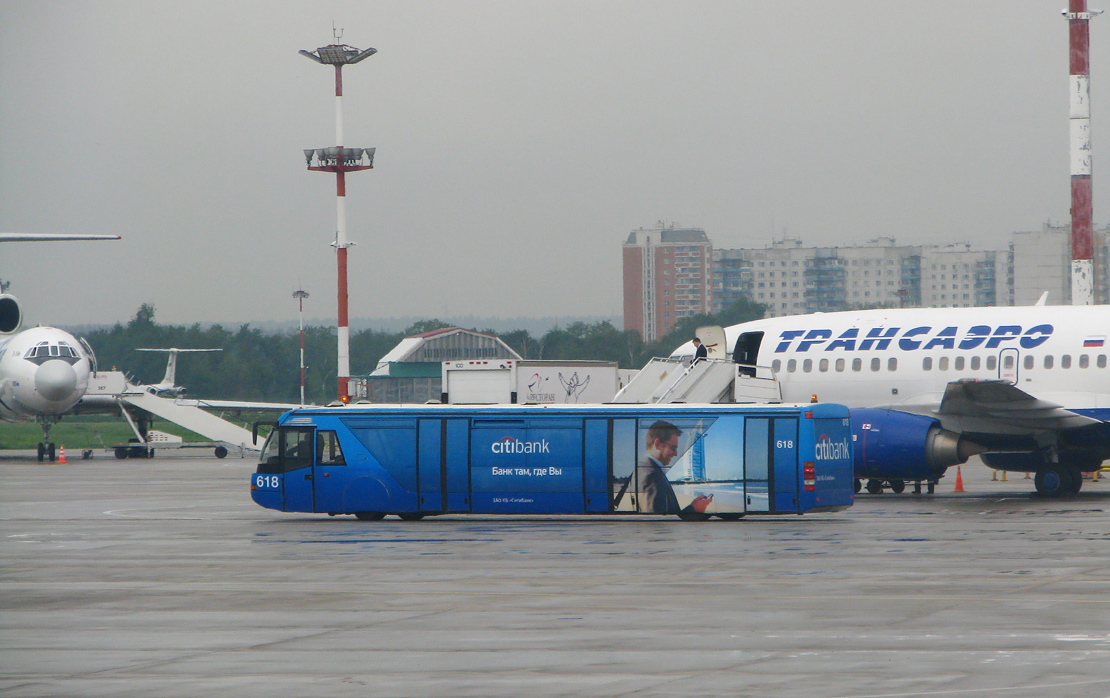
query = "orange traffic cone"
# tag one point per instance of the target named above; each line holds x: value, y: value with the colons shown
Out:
x: 61, y: 454
x: 959, y: 480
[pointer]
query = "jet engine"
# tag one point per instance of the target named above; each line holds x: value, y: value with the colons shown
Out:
x: 11, y: 316
x: 892, y: 445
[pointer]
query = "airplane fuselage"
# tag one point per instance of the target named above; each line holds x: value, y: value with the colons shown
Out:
x: 44, y: 372
x: 904, y: 359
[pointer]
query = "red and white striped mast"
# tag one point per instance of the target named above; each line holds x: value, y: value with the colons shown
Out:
x: 1082, y: 244
x: 340, y: 160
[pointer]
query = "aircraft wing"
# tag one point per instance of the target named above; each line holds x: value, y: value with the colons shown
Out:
x: 240, y: 405
x: 997, y: 407
x: 33, y: 237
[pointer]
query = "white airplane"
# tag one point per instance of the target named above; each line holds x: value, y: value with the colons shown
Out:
x: 1027, y: 388
x: 44, y: 371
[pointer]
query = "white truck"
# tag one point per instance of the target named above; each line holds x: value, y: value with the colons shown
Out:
x: 509, y: 381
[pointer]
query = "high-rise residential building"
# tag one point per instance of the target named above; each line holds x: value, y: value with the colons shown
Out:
x: 667, y: 276
x: 1041, y: 261
x: 790, y: 279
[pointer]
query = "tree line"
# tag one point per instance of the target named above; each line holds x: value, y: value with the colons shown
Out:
x: 255, y: 365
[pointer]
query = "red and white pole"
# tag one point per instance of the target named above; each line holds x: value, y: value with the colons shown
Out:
x: 1082, y: 247
x: 338, y: 55
x: 341, y: 245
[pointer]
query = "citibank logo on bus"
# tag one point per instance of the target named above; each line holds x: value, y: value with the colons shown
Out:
x: 510, y: 445
x: 827, y: 449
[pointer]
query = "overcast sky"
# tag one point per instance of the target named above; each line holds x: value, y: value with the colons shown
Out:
x: 518, y: 144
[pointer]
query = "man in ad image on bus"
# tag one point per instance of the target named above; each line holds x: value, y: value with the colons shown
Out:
x: 655, y: 494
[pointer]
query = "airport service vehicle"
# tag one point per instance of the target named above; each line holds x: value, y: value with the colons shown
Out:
x: 695, y: 461
x: 529, y: 382
x: 1028, y: 388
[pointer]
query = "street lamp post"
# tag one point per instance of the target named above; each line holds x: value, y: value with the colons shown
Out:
x: 300, y: 295
x: 340, y: 160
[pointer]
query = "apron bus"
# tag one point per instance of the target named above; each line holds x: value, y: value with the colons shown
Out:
x: 694, y: 461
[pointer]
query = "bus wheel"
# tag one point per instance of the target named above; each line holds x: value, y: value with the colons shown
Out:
x: 731, y: 516
x: 897, y: 486
x: 369, y: 515
x: 221, y: 452
x: 875, y: 486
x: 410, y: 516
x: 692, y: 516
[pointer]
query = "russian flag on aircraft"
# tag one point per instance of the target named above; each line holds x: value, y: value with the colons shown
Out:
x: 1094, y: 341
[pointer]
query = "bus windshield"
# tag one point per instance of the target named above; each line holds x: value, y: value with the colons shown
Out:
x: 269, y: 462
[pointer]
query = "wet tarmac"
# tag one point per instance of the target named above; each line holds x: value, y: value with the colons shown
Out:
x: 162, y: 578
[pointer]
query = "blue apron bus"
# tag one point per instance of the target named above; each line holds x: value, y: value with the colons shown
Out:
x: 694, y: 461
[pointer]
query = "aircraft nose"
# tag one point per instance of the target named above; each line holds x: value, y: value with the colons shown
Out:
x: 55, y: 380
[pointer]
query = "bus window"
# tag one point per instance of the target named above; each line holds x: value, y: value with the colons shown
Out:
x: 297, y: 451
x: 328, y: 451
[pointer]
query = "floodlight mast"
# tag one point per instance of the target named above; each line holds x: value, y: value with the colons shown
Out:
x: 340, y: 160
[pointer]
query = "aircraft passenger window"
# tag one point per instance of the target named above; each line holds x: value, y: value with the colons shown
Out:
x: 807, y: 365
x: 840, y: 365
x: 959, y: 364
x: 942, y: 363
x: 927, y: 363
x: 857, y: 365
x: 1065, y: 361
x: 1048, y: 361
x: 1008, y: 362
x: 823, y: 366
x: 792, y: 365
x: 1028, y: 361
x: 776, y: 365
x: 992, y: 363
x: 1101, y: 363
x: 892, y: 364
x: 1084, y: 361
x: 975, y: 363
x: 875, y: 364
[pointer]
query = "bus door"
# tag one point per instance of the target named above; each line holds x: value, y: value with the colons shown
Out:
x: 456, y: 465
x: 757, y: 464
x: 1008, y: 366
x: 785, y: 472
x: 597, y: 452
x: 296, y: 454
x: 330, y: 475
x: 431, y: 476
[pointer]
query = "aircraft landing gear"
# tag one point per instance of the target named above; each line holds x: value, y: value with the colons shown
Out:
x: 1058, y: 481
x: 47, y: 449
x: 875, y: 486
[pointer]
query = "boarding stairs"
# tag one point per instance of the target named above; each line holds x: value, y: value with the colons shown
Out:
x: 709, y: 380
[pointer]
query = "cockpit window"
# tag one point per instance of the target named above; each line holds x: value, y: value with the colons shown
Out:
x: 44, y: 351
